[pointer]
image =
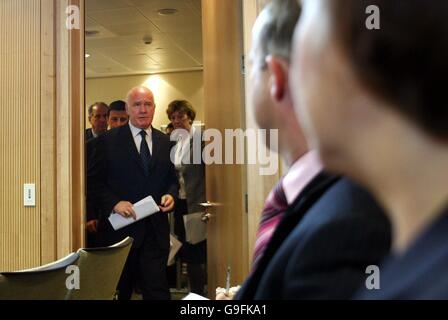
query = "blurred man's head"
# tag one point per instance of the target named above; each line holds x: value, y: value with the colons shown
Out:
x: 140, y: 107
x: 117, y: 114
x: 353, y: 86
x: 98, y: 117
x: 269, y: 88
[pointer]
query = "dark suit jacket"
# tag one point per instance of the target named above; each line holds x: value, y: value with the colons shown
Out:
x: 92, y: 209
x: 116, y: 174
x: 421, y: 272
x: 89, y: 134
x: 323, y: 245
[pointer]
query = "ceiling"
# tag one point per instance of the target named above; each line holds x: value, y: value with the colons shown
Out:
x: 119, y: 47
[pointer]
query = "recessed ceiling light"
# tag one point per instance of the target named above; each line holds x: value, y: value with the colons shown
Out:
x: 167, y: 11
x: 87, y: 55
x: 91, y: 33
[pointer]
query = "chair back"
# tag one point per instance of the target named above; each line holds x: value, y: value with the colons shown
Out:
x: 100, y: 270
x: 48, y: 282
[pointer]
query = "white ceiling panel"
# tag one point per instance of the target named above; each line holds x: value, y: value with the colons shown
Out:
x: 133, y: 28
x: 119, y: 51
x: 90, y: 23
x: 155, y: 5
x: 119, y: 47
x: 136, y: 62
x: 114, y: 17
x: 99, y: 5
x: 112, y: 42
x: 173, y: 60
x: 113, y: 69
x: 196, y: 6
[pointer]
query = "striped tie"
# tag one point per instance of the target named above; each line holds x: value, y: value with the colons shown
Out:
x: 274, y: 208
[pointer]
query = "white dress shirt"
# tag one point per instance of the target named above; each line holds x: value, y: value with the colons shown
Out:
x: 138, y: 138
x: 305, y: 169
x: 182, y: 151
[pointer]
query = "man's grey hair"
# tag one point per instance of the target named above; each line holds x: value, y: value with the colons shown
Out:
x: 277, y: 32
x: 90, y: 109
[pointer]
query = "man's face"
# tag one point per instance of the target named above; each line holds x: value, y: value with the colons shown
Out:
x: 258, y: 79
x: 141, y: 108
x: 99, y: 119
x: 117, y: 118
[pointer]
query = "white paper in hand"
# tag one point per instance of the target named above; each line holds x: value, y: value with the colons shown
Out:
x: 143, y: 209
x: 194, y: 296
x: 174, y: 248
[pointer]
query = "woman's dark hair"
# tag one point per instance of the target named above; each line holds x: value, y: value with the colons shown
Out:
x: 406, y: 60
x: 181, y: 106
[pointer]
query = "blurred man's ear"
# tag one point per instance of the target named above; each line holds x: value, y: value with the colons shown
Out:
x: 278, y: 82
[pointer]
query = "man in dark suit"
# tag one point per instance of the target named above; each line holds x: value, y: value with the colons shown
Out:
x: 117, y: 114
x: 98, y: 113
x: 323, y: 246
x: 92, y: 209
x: 116, y: 117
x: 128, y: 164
x: 98, y: 117
x: 332, y: 230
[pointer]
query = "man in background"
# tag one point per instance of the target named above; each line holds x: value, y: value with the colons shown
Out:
x: 117, y: 117
x: 98, y: 120
x: 117, y: 114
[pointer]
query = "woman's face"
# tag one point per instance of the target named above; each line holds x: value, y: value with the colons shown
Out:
x: 321, y: 83
x: 180, y: 120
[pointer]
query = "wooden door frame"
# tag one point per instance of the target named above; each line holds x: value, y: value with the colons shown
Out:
x: 62, y: 154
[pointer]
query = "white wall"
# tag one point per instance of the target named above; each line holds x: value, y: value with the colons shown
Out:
x: 166, y: 87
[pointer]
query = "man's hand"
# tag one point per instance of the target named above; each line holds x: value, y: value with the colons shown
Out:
x: 222, y: 296
x: 125, y: 209
x: 92, y: 226
x: 167, y: 203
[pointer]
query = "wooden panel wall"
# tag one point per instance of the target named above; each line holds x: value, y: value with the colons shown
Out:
x: 41, y: 132
x: 48, y: 135
x: 69, y: 127
x: 20, y: 129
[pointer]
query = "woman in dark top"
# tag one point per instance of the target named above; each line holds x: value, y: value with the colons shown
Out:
x: 191, y: 174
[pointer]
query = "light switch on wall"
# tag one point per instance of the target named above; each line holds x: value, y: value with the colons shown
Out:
x: 29, y: 195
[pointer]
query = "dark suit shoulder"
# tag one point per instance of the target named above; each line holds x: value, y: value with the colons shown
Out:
x: 113, y: 134
x: 292, y: 217
x: 346, y: 220
x: 326, y: 255
x: 160, y: 135
x: 420, y: 272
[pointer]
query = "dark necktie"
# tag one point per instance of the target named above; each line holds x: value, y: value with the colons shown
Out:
x: 145, y: 154
x: 274, y: 208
